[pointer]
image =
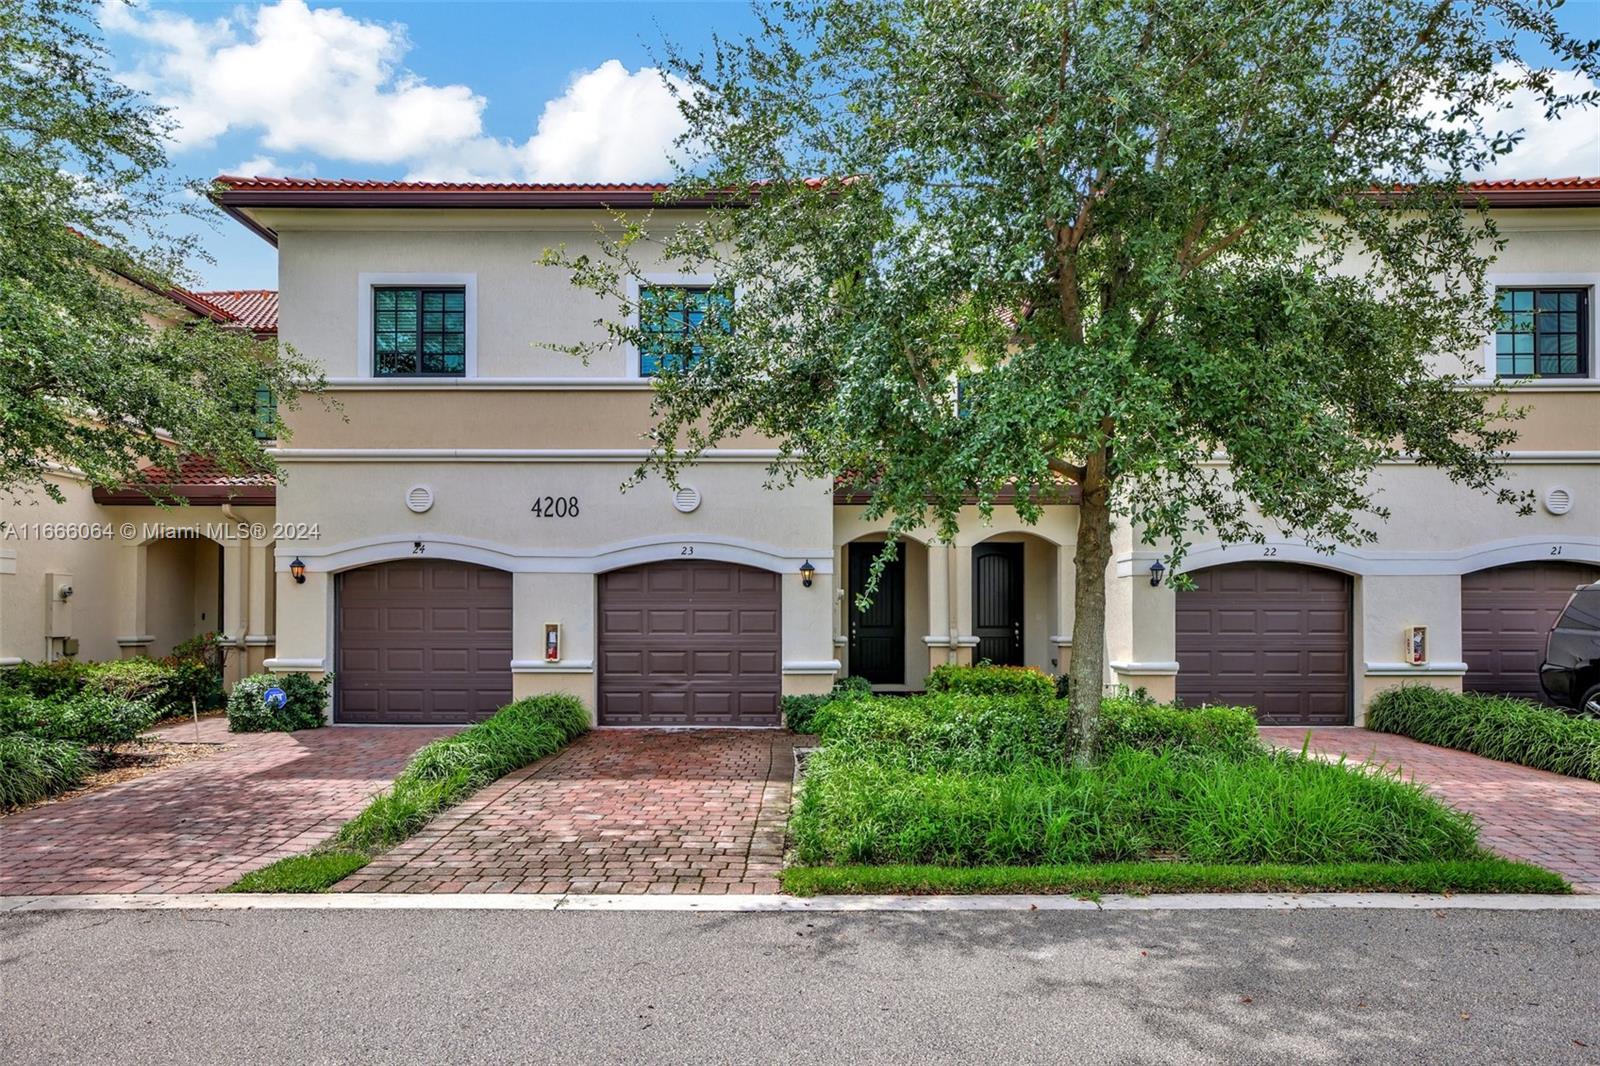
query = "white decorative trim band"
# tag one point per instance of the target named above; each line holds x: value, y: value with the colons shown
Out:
x: 1577, y: 548
x: 1408, y: 670
x: 8, y: 561
x: 1060, y: 640
x: 1145, y: 668
x: 944, y: 642
x: 134, y: 642
x: 840, y: 640
x: 260, y: 640
x: 11, y: 660
x: 283, y: 666
x: 819, y: 666
x: 560, y: 666
x: 389, y: 547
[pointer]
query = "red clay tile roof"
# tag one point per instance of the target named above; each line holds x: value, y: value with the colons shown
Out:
x: 255, y: 309
x: 242, y: 183
x: 199, y: 480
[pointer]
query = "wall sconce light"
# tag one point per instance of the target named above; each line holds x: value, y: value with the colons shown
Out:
x: 297, y: 570
x: 1157, y: 569
x: 807, y: 572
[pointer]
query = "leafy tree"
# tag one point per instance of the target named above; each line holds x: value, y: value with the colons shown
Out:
x: 92, y: 376
x: 978, y: 244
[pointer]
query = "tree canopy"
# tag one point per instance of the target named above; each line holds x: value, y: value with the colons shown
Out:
x: 976, y: 244
x: 93, y: 376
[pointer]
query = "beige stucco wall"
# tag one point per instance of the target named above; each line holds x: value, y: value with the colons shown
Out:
x: 126, y: 578
x: 521, y: 305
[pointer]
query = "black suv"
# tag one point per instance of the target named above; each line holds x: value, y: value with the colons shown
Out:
x: 1570, y: 674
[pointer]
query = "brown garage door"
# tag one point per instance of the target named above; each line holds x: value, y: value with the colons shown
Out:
x: 689, y: 643
x: 1505, y: 614
x: 422, y: 641
x: 1273, y: 636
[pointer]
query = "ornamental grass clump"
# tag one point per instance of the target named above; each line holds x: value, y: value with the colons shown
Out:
x: 32, y: 768
x: 1496, y: 727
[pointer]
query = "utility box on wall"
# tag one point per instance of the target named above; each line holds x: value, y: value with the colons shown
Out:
x: 58, y: 587
x: 1416, y: 645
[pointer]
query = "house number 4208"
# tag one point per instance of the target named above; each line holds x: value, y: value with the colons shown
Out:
x: 555, y: 506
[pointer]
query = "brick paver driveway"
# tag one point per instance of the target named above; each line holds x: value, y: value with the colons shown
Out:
x: 197, y: 827
x: 1546, y: 819
x: 621, y: 810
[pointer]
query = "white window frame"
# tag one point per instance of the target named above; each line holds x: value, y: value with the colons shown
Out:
x: 1487, y: 376
x: 367, y: 359
x: 654, y: 281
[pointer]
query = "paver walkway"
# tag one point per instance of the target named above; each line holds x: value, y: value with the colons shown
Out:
x: 197, y: 827
x: 1547, y: 819
x: 626, y: 811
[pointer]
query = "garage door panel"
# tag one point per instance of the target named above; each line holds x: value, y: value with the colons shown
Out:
x: 422, y: 641
x: 1506, y: 614
x: 1271, y: 636
x: 708, y: 652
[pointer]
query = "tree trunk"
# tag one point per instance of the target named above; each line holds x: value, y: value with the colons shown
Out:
x: 1087, y: 672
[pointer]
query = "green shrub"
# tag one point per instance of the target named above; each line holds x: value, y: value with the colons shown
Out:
x: 442, y: 773
x: 64, y: 677
x: 1265, y: 807
x: 95, y: 719
x: 1131, y: 722
x: 852, y: 684
x: 1496, y: 727
x: 799, y: 712
x: 949, y: 730
x: 32, y: 768
x: 986, y: 679
x: 305, y: 708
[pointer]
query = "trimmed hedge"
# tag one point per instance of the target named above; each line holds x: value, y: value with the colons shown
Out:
x: 306, y: 707
x: 954, y: 730
x: 172, y: 686
x: 439, y: 775
x: 1496, y: 727
x: 32, y: 768
x: 986, y: 679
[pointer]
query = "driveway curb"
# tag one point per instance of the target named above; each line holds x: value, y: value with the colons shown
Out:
x: 1194, y: 901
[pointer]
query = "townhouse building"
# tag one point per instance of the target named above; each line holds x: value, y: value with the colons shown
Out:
x: 455, y: 533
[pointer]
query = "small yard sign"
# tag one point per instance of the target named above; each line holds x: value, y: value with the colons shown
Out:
x: 275, y: 698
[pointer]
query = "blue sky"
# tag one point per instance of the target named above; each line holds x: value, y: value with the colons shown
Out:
x: 530, y: 91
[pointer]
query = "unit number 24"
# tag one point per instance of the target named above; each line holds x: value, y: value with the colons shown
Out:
x: 555, y: 506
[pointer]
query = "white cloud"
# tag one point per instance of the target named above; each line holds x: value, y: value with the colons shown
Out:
x: 1566, y: 147
x: 324, y: 82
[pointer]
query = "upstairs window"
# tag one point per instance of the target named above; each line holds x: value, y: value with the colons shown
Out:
x: 419, y: 332
x: 1542, y: 333
x: 266, y: 409
x: 670, y: 316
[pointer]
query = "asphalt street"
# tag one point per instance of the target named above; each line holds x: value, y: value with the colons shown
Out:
x: 1457, y: 986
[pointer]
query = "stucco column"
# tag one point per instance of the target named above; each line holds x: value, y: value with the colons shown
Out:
x: 1385, y: 606
x: 259, y: 621
x: 942, y: 625
x: 235, y: 621
x: 567, y: 600
x: 132, y: 637
x: 304, y: 624
x: 1141, y: 642
x: 1066, y: 584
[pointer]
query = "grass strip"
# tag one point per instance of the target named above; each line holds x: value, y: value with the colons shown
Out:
x: 440, y: 775
x: 1485, y: 874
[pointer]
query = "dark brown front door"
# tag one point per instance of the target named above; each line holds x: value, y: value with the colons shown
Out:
x: 690, y: 643
x: 878, y: 634
x: 1273, y: 636
x: 422, y: 641
x: 1506, y: 614
x: 997, y: 603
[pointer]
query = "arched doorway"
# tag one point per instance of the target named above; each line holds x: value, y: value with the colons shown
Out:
x: 1273, y: 636
x: 686, y: 642
x: 421, y: 642
x: 1506, y: 613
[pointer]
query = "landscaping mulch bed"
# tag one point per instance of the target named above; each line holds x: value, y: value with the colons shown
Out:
x: 129, y: 762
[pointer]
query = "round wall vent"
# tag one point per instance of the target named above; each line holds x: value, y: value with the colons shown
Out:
x: 419, y: 498
x: 1558, y: 501
x: 686, y: 499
